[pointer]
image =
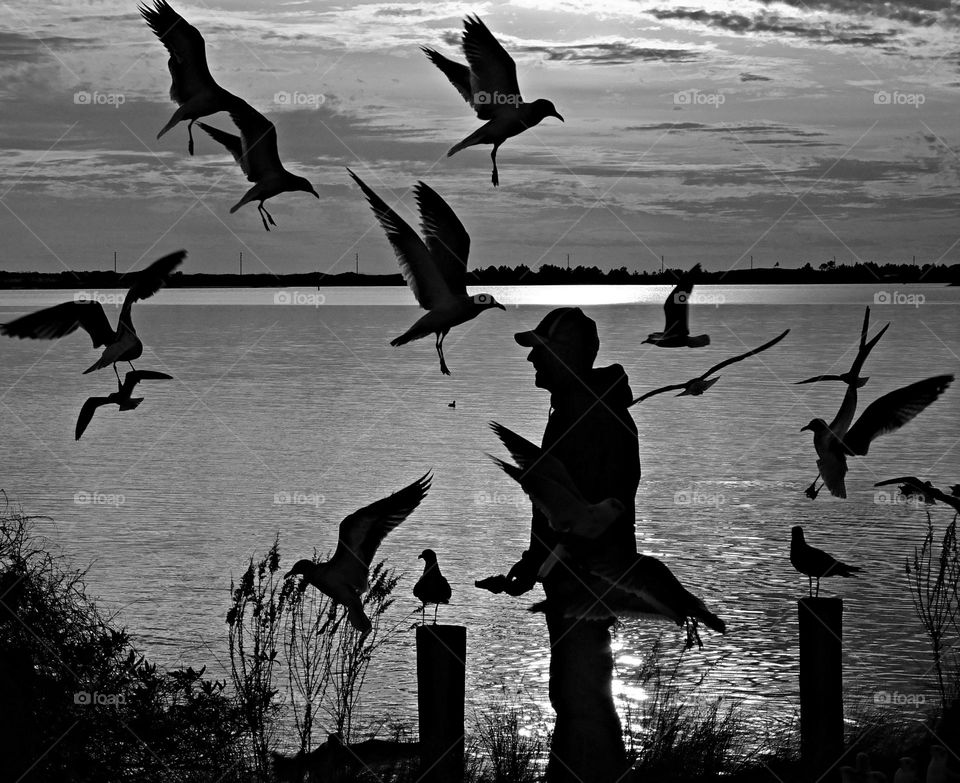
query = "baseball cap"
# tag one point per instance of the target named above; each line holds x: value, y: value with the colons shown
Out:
x: 564, y: 326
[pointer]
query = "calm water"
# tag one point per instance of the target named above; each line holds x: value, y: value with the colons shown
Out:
x: 308, y: 399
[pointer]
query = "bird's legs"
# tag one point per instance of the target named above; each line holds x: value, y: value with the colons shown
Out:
x: 493, y: 156
x: 818, y: 588
x: 435, y: 608
x: 813, y: 490
x: 115, y: 371
x: 810, y: 585
x: 443, y: 364
x: 265, y: 216
x: 190, y: 136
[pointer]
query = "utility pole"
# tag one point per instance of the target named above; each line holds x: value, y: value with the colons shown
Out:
x: 661, y: 265
x: 357, y: 256
x: 568, y: 260
x: 751, y: 263
x: 114, y: 261
x: 241, y: 263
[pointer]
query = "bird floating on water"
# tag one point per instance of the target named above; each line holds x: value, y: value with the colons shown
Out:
x: 434, y: 267
x: 815, y: 563
x: 344, y: 577
x: 122, y: 344
x: 255, y: 149
x: 432, y: 587
x: 489, y: 84
x: 547, y: 483
x: 911, y: 485
x: 836, y: 441
x: 192, y: 87
x: 122, y: 398
x: 452, y: 404
x: 697, y: 386
x: 676, y: 309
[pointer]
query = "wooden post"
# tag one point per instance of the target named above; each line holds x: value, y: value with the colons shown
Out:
x: 441, y: 674
x: 821, y: 685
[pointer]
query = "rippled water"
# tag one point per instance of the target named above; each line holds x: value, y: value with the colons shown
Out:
x: 312, y: 399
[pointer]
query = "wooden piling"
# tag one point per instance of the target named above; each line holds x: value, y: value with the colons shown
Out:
x: 441, y: 675
x: 821, y: 685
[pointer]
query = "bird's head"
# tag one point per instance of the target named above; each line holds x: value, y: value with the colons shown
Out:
x: 544, y: 108
x: 300, y: 568
x: 796, y: 534
x: 484, y: 301
x: 428, y: 555
x: 302, y: 183
x: 815, y: 426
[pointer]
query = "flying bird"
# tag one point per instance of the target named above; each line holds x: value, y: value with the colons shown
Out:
x: 813, y: 562
x: 192, y: 87
x: 548, y: 484
x: 676, y: 332
x: 344, y: 577
x: 911, y: 485
x: 255, y: 149
x: 697, y: 386
x: 641, y: 586
x: 122, y: 344
x: 122, y: 398
x: 432, y: 587
x: 434, y: 267
x: 489, y: 84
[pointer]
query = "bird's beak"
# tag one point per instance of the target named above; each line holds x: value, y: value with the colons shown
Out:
x: 288, y: 574
x: 315, y: 194
x: 557, y: 115
x: 501, y: 306
x: 419, y: 557
x: 805, y: 427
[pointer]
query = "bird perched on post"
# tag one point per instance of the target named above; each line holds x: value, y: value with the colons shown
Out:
x: 489, y: 84
x: 123, y: 397
x: 434, y: 267
x: 432, y: 587
x: 192, y: 87
x: 122, y: 344
x: 676, y: 311
x: 344, y: 576
x: 813, y: 562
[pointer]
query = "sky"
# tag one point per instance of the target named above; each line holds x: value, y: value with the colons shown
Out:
x: 701, y: 131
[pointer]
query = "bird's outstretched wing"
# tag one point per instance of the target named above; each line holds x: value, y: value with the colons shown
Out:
x: 457, y: 73
x: 133, y: 377
x: 255, y: 149
x: 892, y: 411
x: 493, y: 73
x: 445, y: 237
x: 62, y: 319
x: 363, y: 530
x: 743, y: 356
x: 152, y: 279
x: 861, y: 382
x: 844, y: 418
x: 87, y: 411
x: 661, y: 390
x: 925, y: 488
x: 416, y: 264
x: 234, y: 145
x: 188, y: 60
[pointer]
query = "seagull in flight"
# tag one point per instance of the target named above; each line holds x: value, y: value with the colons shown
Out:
x: 489, y: 84
x: 924, y: 489
x: 122, y: 397
x: 255, y: 149
x: 432, y: 587
x: 676, y: 332
x: 434, y: 267
x: 344, y: 577
x: 122, y: 344
x: 837, y: 440
x: 697, y: 386
x: 815, y: 563
x: 192, y: 87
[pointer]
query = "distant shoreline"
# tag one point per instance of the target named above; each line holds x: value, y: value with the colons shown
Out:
x: 827, y: 274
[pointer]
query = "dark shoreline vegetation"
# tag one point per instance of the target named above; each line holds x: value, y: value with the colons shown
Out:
x: 828, y: 273
x: 78, y: 702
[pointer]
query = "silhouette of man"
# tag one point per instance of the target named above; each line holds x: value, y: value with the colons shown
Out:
x: 592, y: 433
